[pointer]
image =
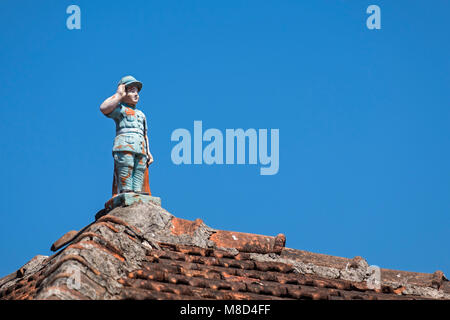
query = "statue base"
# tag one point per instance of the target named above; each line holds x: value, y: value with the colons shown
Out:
x: 127, y: 199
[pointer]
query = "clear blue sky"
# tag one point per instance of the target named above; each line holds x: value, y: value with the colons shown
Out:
x: 363, y: 118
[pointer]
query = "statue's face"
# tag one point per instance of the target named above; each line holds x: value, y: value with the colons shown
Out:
x: 132, y: 96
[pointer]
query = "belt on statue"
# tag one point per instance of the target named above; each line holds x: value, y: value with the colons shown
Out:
x: 129, y: 130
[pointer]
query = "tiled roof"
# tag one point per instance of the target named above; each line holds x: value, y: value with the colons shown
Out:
x: 144, y: 252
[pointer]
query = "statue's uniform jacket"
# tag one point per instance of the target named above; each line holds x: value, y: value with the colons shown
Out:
x: 127, y: 117
x: 129, y: 149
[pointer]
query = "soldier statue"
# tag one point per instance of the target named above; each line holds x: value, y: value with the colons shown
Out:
x: 131, y: 151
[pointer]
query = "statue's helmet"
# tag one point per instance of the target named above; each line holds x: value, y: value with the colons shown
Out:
x: 131, y: 81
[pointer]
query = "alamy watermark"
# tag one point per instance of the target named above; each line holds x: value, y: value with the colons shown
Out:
x: 374, y: 279
x: 235, y: 139
x: 74, y: 20
x: 74, y: 280
x: 374, y: 20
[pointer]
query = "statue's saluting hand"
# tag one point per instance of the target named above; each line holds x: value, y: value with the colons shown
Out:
x: 121, y: 92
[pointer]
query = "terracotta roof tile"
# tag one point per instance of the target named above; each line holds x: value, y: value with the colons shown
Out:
x: 247, y: 242
x: 173, y: 270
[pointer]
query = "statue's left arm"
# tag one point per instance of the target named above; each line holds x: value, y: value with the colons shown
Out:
x: 149, y: 155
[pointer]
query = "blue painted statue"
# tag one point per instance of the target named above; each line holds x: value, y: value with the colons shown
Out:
x: 131, y: 151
